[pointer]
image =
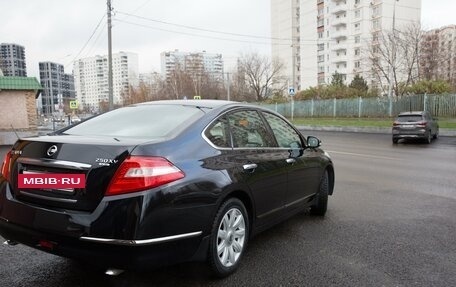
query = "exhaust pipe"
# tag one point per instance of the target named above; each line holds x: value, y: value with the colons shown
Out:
x: 10, y: 242
x: 114, y: 272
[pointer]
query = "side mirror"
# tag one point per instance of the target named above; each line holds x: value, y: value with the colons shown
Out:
x: 313, y: 142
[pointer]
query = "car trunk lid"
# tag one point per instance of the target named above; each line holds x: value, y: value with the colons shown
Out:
x: 97, y: 158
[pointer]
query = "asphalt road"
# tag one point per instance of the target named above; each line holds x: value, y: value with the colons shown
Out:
x: 390, y: 222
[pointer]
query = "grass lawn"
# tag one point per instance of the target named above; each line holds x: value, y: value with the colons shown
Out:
x: 444, y: 123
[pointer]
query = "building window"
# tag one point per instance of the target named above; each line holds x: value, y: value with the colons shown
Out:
x: 320, y: 35
x: 357, y: 52
x: 321, y: 58
x: 358, y: 13
x: 321, y: 47
x: 321, y: 22
x: 357, y: 64
x: 357, y: 26
x: 357, y: 2
x: 321, y: 69
x: 357, y: 39
x: 375, y: 37
x: 376, y: 10
x: 376, y: 24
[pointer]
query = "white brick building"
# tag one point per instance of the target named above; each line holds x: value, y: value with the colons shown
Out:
x: 91, y: 78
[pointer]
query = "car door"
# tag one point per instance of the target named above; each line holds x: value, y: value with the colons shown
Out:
x: 303, y: 166
x: 259, y: 163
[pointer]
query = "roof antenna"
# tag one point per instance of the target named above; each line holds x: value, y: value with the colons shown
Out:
x: 14, y: 130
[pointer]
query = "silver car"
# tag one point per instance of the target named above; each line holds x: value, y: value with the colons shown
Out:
x: 415, y: 125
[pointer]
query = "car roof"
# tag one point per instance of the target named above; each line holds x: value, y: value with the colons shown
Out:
x: 195, y: 103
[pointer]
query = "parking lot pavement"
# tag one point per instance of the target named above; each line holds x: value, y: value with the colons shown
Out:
x: 390, y: 222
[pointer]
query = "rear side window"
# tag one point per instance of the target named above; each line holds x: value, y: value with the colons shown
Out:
x: 248, y: 130
x: 143, y: 121
x: 409, y: 118
x: 218, y: 133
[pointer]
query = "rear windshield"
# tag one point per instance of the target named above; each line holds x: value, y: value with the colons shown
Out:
x: 409, y: 118
x: 144, y: 121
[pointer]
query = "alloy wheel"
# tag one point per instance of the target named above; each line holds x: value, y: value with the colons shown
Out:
x: 231, y: 237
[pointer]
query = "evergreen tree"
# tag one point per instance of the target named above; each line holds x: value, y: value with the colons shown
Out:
x: 359, y: 84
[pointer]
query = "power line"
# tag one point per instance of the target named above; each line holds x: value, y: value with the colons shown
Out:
x: 87, y: 42
x: 203, y: 29
x: 192, y: 34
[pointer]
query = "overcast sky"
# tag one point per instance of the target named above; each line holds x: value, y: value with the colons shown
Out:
x: 59, y: 30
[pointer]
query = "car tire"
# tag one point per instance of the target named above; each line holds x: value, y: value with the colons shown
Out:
x: 429, y: 137
x: 395, y: 141
x: 229, y: 237
x: 436, y: 135
x: 321, y: 200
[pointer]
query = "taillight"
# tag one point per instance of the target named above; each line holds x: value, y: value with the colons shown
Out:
x: 6, y: 165
x: 138, y: 173
x: 421, y: 124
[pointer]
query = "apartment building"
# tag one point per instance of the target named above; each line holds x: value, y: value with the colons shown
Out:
x: 194, y: 63
x: 438, y: 54
x: 12, y: 60
x: 334, y: 35
x: 58, y: 87
x: 285, y: 34
x: 91, y: 78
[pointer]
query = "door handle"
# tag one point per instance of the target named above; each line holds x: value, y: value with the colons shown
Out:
x: 250, y: 166
x: 290, y: 160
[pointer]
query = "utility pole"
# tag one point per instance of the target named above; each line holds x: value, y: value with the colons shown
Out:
x: 393, y: 54
x: 110, y: 92
x: 229, y: 84
x: 393, y: 62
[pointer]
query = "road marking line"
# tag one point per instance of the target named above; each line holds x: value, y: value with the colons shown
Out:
x: 363, y: 155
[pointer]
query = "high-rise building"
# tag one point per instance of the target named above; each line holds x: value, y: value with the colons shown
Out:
x: 193, y: 63
x: 12, y: 60
x: 438, y: 54
x: 285, y: 30
x: 58, y: 87
x: 91, y: 78
x: 334, y: 34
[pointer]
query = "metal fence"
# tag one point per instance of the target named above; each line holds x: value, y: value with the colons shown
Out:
x: 438, y: 105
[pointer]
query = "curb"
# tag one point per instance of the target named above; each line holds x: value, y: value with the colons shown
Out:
x: 371, y: 130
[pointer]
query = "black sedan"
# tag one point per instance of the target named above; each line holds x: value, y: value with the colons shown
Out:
x: 161, y: 182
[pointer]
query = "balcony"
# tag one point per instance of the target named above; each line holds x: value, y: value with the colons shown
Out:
x: 339, y: 60
x: 338, y: 33
x: 342, y: 71
x: 339, y: 20
x: 339, y: 47
x: 339, y: 8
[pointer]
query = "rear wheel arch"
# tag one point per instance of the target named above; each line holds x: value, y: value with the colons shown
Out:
x: 331, y: 178
x: 246, y: 200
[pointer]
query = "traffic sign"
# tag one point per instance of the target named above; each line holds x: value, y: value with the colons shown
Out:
x: 291, y: 91
x: 74, y: 105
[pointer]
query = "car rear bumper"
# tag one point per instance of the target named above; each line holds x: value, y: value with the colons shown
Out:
x: 109, y: 236
x: 401, y: 134
x: 106, y: 254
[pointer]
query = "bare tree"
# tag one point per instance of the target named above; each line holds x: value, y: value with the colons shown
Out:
x: 394, y: 56
x: 261, y: 74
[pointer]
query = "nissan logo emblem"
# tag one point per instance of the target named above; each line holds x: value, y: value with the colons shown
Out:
x: 52, y: 150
